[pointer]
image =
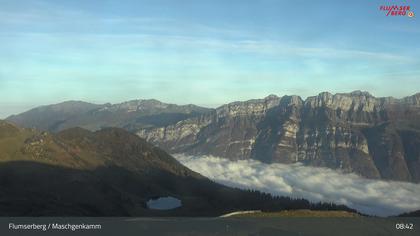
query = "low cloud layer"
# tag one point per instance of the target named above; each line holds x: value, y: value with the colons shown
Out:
x: 376, y: 197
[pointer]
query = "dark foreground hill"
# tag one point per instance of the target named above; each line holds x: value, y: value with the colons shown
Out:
x: 110, y: 173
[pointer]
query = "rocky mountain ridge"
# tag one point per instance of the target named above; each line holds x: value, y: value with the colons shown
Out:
x: 354, y: 132
x: 130, y: 115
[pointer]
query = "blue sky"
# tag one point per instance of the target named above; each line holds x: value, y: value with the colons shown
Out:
x: 202, y: 52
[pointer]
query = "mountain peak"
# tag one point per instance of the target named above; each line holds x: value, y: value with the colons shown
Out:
x: 291, y: 100
x: 271, y: 97
x: 413, y: 100
x: 325, y: 94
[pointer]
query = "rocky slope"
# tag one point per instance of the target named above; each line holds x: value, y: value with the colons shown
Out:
x: 110, y: 172
x: 354, y: 132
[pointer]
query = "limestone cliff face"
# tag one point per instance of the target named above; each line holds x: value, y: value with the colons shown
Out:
x: 229, y: 131
x: 354, y: 132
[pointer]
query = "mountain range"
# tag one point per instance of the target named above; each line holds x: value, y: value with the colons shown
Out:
x: 111, y: 172
x: 354, y: 132
x: 131, y: 115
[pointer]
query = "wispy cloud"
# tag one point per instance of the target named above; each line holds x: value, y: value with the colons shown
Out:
x: 369, y: 196
x: 50, y: 20
x: 271, y: 49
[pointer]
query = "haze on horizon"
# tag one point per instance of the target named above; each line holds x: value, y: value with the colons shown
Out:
x: 202, y: 52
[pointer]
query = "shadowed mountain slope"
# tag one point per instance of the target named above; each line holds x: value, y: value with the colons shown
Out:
x: 110, y: 173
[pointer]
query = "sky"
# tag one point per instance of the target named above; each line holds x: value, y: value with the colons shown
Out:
x: 202, y: 52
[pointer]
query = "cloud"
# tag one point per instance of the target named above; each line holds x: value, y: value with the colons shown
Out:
x: 376, y: 197
x: 54, y: 22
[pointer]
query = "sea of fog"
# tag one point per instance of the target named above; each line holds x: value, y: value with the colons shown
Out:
x: 374, y: 197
